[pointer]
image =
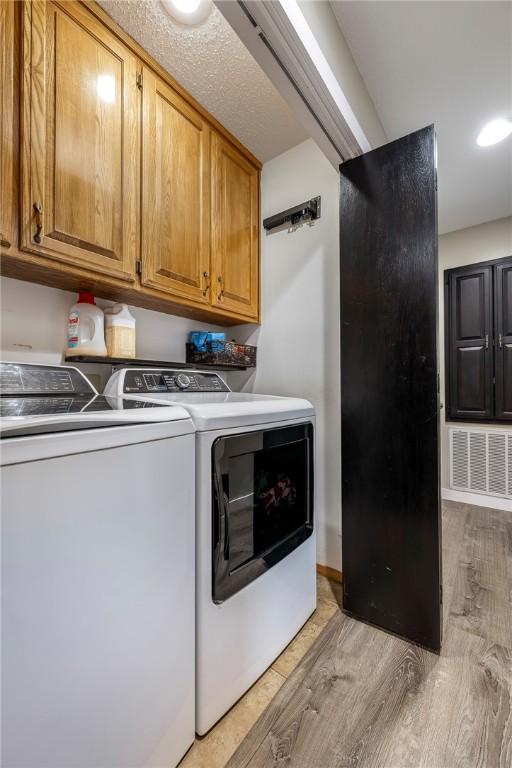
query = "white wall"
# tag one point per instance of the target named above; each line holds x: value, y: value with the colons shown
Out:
x: 34, y: 327
x: 298, y: 341
x: 324, y: 25
x: 492, y: 240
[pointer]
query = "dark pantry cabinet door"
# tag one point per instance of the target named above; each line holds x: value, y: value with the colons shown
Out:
x: 390, y: 468
x: 503, y: 304
x: 469, y: 343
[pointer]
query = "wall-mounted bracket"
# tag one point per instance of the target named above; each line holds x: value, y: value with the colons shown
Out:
x: 305, y: 213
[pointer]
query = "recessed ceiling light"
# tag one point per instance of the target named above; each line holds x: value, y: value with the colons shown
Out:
x: 493, y: 132
x: 189, y: 12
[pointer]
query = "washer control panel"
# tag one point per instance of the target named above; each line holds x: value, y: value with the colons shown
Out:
x: 151, y: 380
x: 32, y: 379
x: 182, y: 380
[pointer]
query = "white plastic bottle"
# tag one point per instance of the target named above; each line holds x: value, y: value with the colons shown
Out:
x: 86, y: 331
x: 119, y: 331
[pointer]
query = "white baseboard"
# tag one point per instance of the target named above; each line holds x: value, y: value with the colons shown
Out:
x: 479, y: 499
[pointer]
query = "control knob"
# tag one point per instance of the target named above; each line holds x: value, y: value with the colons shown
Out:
x: 182, y: 380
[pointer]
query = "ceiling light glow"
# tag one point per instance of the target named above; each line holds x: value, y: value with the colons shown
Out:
x: 187, y: 6
x: 493, y: 132
x: 189, y: 12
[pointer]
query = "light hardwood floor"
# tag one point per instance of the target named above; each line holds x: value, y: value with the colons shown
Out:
x: 361, y: 698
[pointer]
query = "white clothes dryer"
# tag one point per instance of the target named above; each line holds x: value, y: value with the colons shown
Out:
x: 255, y: 537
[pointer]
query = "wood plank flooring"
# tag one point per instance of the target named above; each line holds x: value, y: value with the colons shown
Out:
x: 215, y: 748
x: 361, y: 698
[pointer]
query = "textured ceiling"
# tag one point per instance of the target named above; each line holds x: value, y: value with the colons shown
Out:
x: 212, y: 63
x: 447, y: 63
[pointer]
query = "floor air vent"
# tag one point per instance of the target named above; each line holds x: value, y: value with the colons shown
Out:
x: 481, y: 462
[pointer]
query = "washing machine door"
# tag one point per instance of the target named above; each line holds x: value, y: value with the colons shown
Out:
x: 262, y: 503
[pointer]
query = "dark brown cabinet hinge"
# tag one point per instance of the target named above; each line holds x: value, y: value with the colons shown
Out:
x: 138, y: 266
x: 38, y: 211
x: 139, y: 81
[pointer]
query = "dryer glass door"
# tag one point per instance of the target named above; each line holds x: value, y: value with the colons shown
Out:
x: 262, y: 503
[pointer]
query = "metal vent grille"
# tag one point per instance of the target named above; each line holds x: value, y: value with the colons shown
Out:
x: 497, y: 472
x: 477, y: 461
x: 481, y: 462
x: 460, y: 459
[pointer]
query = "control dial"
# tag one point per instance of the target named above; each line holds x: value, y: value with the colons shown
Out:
x: 182, y: 380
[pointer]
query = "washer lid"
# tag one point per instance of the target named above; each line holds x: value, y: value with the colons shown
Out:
x: 42, y: 399
x: 33, y: 415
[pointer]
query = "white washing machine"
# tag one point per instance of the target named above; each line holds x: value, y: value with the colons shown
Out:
x: 98, y: 571
x: 255, y: 539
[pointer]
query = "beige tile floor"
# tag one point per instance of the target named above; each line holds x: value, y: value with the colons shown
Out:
x: 215, y: 749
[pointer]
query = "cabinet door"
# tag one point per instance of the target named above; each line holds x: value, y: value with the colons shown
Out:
x: 235, y: 237
x: 503, y: 304
x: 175, y: 194
x: 9, y: 66
x: 80, y: 175
x: 469, y: 343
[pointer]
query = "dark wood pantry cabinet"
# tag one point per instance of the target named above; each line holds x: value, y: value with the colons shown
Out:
x: 470, y: 364
x: 478, y: 340
x: 503, y: 332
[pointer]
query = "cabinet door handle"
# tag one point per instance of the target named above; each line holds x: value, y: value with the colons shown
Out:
x: 500, y: 340
x: 207, y: 286
x: 487, y: 341
x: 221, y: 294
x: 38, y: 210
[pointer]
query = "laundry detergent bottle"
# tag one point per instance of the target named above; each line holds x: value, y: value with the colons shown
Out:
x: 86, y: 330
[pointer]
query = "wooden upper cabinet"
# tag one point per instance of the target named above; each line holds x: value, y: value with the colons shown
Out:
x: 81, y: 150
x: 235, y: 223
x: 175, y: 194
x: 9, y: 66
x: 113, y: 177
